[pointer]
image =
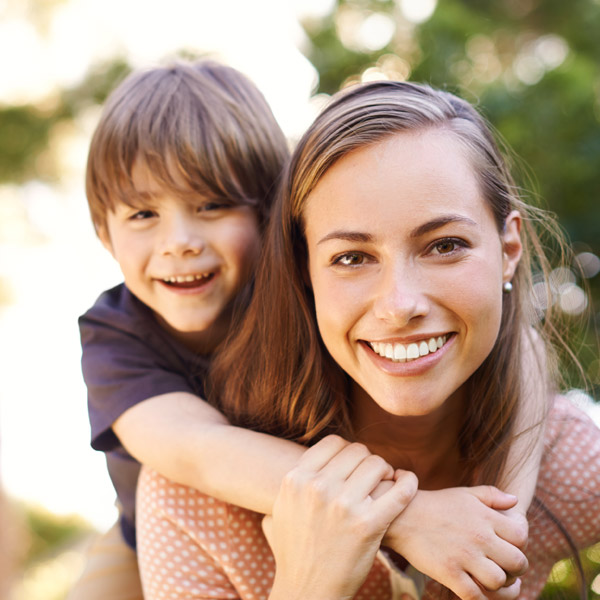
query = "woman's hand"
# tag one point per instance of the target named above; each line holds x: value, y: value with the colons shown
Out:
x: 326, y: 527
x: 462, y: 538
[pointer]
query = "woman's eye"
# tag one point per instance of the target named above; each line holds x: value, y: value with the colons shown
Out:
x: 447, y: 246
x: 351, y: 259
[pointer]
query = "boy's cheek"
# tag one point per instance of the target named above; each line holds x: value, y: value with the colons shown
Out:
x: 104, y: 237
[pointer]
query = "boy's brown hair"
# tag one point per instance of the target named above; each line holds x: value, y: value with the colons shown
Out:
x: 200, y: 128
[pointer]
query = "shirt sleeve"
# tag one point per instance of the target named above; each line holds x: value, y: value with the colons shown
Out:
x: 122, y: 365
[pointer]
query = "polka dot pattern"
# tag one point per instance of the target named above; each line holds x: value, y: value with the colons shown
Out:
x: 192, y: 546
x: 569, y: 490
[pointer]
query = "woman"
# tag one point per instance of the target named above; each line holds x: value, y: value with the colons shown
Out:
x: 393, y: 306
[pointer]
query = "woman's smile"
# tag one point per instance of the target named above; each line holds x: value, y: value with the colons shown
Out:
x: 418, y: 356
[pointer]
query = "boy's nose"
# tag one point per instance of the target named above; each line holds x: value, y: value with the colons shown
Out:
x: 181, y: 237
x: 400, y: 296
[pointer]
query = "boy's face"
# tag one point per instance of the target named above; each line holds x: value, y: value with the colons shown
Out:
x: 185, y: 261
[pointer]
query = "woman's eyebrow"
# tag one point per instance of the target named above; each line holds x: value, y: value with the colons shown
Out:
x: 359, y: 236
x: 440, y: 222
x: 348, y: 236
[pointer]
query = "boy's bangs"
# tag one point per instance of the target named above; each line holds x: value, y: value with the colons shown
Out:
x: 173, y: 174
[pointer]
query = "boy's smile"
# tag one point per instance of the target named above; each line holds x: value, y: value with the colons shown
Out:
x: 185, y: 259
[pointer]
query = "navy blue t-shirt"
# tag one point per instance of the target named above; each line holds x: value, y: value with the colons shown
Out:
x: 127, y: 357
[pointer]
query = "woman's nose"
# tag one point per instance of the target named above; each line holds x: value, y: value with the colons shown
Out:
x: 400, y: 296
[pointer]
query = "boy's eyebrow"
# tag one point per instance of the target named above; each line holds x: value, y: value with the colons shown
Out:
x: 141, y: 198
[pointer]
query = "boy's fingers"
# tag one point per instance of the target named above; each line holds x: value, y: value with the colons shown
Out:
x: 493, y: 497
x: 366, y: 476
x: 357, y: 457
x: 397, y: 498
x: 509, y: 592
x: 317, y: 456
x: 513, y: 528
x: 467, y: 588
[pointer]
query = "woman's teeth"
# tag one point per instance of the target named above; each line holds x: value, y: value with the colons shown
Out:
x: 407, y: 352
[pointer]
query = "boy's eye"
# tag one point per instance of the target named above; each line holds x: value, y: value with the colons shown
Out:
x: 214, y: 205
x: 142, y: 214
x: 350, y: 259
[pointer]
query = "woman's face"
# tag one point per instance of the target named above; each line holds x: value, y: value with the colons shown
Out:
x: 407, y: 265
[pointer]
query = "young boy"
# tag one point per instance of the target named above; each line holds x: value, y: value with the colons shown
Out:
x: 181, y: 173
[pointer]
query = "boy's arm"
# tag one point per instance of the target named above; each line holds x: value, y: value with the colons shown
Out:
x: 188, y: 441
x: 464, y: 539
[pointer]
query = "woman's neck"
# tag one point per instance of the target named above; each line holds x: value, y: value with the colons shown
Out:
x: 426, y: 445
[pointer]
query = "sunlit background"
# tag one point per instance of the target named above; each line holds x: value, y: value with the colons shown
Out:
x: 531, y: 65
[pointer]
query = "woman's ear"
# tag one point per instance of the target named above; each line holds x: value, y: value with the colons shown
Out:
x: 512, y: 248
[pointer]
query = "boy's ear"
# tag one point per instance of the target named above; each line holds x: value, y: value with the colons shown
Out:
x: 512, y: 248
x: 104, y: 236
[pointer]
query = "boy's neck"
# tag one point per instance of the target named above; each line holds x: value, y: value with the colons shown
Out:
x: 201, y: 342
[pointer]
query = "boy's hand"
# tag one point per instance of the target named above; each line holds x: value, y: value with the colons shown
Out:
x: 461, y: 538
x: 326, y: 527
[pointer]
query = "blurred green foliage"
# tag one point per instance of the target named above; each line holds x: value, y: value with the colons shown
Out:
x: 25, y: 130
x: 48, y: 532
x: 48, y: 551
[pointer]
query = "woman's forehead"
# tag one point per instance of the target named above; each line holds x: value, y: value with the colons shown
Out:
x: 402, y: 175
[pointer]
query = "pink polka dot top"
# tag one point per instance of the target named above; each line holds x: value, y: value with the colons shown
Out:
x: 192, y: 546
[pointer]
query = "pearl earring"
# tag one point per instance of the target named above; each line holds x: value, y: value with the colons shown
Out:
x: 507, y: 287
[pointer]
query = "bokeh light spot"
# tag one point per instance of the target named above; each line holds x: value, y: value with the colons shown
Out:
x: 417, y: 11
x: 573, y: 300
x: 589, y: 264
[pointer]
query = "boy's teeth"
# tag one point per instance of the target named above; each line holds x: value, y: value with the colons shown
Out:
x: 186, y: 278
x: 406, y: 353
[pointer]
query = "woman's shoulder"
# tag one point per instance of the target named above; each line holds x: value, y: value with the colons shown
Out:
x: 572, y: 414
x: 202, y: 544
x: 190, y: 508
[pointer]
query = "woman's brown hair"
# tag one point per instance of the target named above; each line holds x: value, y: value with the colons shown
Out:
x: 276, y: 376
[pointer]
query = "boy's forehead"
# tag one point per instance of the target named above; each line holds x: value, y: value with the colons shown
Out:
x: 148, y: 184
